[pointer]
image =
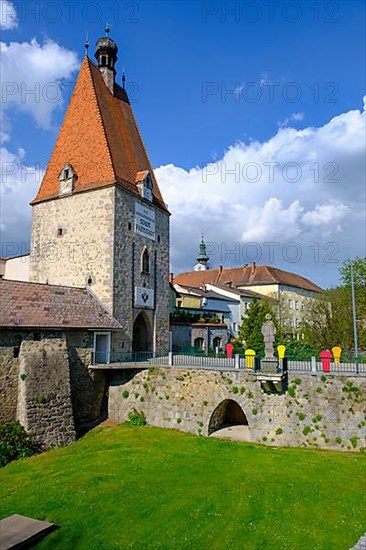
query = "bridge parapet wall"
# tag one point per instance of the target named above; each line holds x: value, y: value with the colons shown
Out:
x: 317, y: 411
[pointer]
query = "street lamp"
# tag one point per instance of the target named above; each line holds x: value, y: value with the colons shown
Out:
x: 354, y: 316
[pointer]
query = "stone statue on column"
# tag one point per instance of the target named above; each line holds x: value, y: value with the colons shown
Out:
x: 269, y: 332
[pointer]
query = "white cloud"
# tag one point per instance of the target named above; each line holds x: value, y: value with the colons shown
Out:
x: 38, y: 69
x: 19, y: 184
x: 294, y: 117
x: 326, y: 214
x: 33, y: 75
x: 8, y: 15
x: 303, y: 185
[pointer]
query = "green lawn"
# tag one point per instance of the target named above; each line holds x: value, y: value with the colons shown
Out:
x: 147, y: 488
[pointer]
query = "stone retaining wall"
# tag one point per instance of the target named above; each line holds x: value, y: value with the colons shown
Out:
x: 9, y: 367
x: 44, y: 395
x: 320, y: 411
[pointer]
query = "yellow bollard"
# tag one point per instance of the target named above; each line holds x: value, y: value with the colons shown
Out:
x: 249, y: 358
x: 337, y: 350
x: 281, y: 351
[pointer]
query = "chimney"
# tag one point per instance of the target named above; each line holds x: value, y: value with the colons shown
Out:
x: 171, y: 278
x: 253, y: 268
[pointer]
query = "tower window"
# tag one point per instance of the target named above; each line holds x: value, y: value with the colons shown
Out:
x: 104, y: 60
x: 66, y: 180
x: 145, y: 261
x: 90, y: 280
x: 129, y: 226
x: 60, y: 231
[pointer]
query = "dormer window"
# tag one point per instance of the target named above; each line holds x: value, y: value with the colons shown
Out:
x: 145, y: 185
x: 66, y: 180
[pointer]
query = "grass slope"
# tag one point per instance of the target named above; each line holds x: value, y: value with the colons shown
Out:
x: 149, y: 488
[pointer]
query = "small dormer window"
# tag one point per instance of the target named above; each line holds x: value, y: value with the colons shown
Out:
x: 144, y: 184
x: 148, y: 182
x: 66, y: 180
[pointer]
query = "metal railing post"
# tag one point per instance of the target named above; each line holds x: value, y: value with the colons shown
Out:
x: 313, y: 365
x: 170, y: 360
x: 237, y: 361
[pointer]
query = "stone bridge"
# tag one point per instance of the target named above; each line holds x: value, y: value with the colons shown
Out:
x: 322, y: 411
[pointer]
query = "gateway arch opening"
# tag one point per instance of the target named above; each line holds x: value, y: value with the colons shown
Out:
x: 142, y: 334
x: 227, y: 414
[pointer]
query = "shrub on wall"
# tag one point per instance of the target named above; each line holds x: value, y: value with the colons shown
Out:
x: 14, y: 442
x: 136, y: 418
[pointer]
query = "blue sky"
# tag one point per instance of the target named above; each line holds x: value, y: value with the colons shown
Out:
x: 183, y: 61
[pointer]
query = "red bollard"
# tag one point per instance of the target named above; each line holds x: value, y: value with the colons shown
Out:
x: 229, y: 351
x: 326, y: 359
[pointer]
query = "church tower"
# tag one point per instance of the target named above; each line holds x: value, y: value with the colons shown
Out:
x: 202, y: 258
x: 99, y: 219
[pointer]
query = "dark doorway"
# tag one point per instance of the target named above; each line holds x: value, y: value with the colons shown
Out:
x: 141, y: 337
x: 227, y: 413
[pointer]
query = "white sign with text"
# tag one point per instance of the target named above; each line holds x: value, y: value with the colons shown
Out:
x: 145, y: 221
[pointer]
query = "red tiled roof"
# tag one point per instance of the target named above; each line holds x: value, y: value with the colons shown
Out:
x: 99, y: 137
x: 246, y: 276
x: 36, y: 305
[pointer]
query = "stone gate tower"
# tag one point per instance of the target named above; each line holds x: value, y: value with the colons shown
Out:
x: 99, y: 219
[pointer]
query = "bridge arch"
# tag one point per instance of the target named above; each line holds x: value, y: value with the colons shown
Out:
x: 227, y: 413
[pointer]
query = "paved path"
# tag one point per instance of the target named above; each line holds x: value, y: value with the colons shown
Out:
x: 235, y: 433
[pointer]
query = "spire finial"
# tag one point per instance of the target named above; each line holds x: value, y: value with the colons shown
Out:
x: 107, y: 29
x: 86, y: 44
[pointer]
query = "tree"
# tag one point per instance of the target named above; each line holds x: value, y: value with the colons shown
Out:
x: 329, y: 321
x: 359, y: 272
x: 250, y: 332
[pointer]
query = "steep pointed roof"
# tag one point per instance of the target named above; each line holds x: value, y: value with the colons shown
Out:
x: 99, y: 137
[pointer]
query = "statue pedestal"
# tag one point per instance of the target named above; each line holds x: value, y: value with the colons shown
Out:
x: 269, y: 365
x: 272, y: 374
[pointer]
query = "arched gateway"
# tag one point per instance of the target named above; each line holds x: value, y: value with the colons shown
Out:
x: 142, y: 334
x: 227, y: 413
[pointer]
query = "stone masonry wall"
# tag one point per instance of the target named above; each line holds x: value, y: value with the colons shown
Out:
x: 319, y: 411
x: 87, y: 388
x: 44, y: 395
x: 85, y: 248
x: 9, y: 368
x: 128, y: 247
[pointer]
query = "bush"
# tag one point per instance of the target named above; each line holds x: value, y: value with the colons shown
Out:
x: 354, y: 441
x: 279, y: 431
x: 136, y: 418
x: 125, y: 394
x: 14, y: 442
